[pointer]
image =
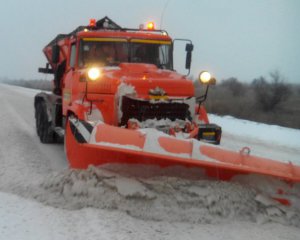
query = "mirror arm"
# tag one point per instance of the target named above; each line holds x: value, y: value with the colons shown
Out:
x: 202, y: 98
x: 85, y: 92
x: 188, y: 73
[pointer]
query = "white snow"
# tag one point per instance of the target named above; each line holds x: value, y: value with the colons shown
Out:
x: 40, y: 198
x: 95, y: 115
x: 117, y: 146
x: 23, y: 219
x: 123, y: 90
x: 270, y: 133
x: 264, y: 140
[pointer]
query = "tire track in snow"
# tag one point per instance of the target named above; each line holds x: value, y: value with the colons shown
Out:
x: 24, y: 160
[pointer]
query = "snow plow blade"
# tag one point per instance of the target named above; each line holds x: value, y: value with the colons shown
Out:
x: 103, y: 144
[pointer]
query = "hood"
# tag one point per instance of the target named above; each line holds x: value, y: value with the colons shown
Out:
x: 147, y: 77
x: 144, y: 78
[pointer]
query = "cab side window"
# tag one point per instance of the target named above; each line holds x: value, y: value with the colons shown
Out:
x: 73, y: 55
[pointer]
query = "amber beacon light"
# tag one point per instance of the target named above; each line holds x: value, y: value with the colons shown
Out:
x: 150, y: 26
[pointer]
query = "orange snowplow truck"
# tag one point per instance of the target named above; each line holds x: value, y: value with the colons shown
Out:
x: 117, y: 99
x: 122, y: 77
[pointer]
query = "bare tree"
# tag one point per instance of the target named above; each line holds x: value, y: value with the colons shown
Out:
x: 269, y: 95
x: 234, y: 86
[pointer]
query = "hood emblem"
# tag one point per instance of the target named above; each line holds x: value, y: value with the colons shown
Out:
x: 157, y: 92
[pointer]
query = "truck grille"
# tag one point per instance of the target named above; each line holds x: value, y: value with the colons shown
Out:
x: 143, y: 110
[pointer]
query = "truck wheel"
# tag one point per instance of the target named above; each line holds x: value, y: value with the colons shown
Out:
x: 37, y: 119
x: 43, y: 126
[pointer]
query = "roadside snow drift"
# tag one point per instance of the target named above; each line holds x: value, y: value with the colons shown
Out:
x: 151, y: 193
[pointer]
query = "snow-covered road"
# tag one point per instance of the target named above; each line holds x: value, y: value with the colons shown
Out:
x: 41, y: 199
x: 23, y: 158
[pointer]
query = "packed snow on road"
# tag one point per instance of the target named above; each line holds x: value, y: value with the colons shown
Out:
x: 41, y: 198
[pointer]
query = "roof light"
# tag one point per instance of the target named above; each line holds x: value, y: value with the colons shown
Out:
x: 150, y: 26
x: 92, y: 22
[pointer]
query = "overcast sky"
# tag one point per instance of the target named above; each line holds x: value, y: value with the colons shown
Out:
x: 232, y: 38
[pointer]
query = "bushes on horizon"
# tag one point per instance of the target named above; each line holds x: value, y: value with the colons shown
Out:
x: 236, y: 88
x: 269, y: 95
x: 272, y: 102
x: 35, y: 84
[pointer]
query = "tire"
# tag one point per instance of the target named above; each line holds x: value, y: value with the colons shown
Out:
x: 65, y: 140
x: 37, y: 119
x: 43, y: 125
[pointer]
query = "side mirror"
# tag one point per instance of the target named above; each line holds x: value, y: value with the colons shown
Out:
x: 55, y: 53
x: 188, y: 48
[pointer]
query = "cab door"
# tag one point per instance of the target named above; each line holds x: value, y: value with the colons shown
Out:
x: 71, y: 75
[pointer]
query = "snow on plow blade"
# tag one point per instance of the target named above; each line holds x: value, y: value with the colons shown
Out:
x: 103, y: 144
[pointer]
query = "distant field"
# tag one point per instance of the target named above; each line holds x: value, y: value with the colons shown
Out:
x: 35, y: 84
x: 223, y: 100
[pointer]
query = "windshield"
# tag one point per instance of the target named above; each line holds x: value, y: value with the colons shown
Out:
x: 154, y: 53
x: 111, y: 53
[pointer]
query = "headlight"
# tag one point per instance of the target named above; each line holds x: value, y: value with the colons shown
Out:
x: 94, y: 73
x: 205, y: 77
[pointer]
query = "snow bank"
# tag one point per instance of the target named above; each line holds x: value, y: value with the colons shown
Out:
x: 259, y: 131
x: 174, y: 194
